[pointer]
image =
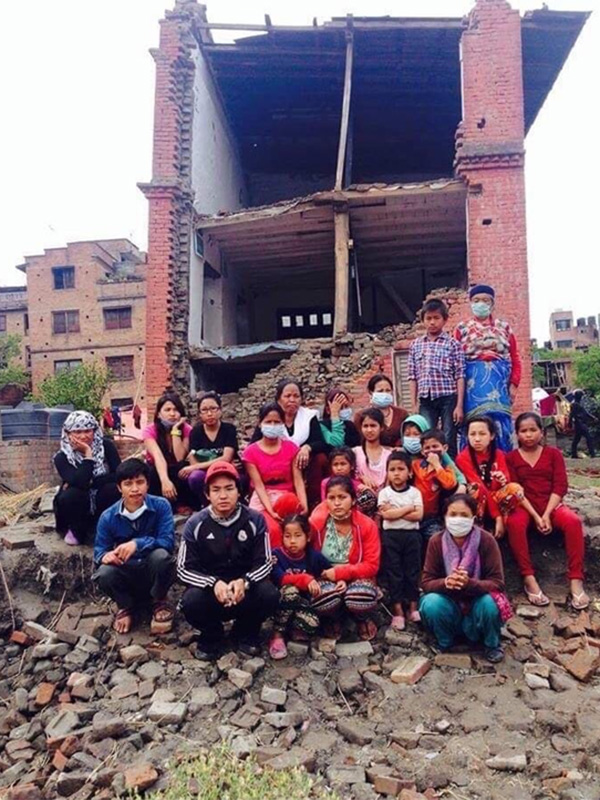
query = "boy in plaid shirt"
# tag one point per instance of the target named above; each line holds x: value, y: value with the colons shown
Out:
x: 436, y: 371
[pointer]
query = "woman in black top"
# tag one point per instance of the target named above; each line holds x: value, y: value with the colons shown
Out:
x: 210, y: 440
x: 86, y: 463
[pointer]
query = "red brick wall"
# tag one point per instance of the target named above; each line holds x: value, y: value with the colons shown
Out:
x: 27, y: 464
x: 490, y: 157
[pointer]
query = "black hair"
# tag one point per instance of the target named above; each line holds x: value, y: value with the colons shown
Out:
x: 267, y: 408
x: 132, y: 468
x: 288, y: 382
x: 400, y: 455
x: 485, y: 469
x: 210, y: 396
x: 529, y: 415
x: 434, y: 433
x: 578, y: 395
x: 342, y: 482
x: 469, y: 501
x: 162, y: 435
x: 373, y: 381
x: 298, y: 519
x: 344, y: 452
x: 329, y: 397
x: 435, y: 306
x: 376, y: 414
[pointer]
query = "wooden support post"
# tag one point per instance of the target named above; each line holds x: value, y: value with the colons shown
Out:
x: 397, y: 300
x: 341, y: 159
x: 342, y: 271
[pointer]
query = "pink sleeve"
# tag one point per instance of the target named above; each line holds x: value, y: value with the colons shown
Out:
x: 292, y: 447
x: 187, y: 429
x: 250, y: 454
x: 149, y: 432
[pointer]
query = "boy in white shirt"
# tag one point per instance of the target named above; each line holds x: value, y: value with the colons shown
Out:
x: 400, y: 506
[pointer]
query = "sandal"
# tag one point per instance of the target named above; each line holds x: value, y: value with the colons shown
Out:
x: 367, y: 630
x: 162, y: 618
x: 277, y: 648
x: 332, y: 629
x: 414, y: 616
x: 579, y: 602
x: 122, y: 615
x: 537, y: 598
x: 398, y: 623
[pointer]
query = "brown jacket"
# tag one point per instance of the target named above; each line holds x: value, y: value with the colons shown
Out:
x: 492, y: 571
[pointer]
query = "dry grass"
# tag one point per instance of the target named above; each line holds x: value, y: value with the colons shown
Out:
x: 14, y: 505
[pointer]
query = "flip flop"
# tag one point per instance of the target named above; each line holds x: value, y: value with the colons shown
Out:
x: 277, y: 649
x: 367, y: 630
x: 414, y: 616
x: 122, y: 614
x: 578, y: 603
x: 537, y: 598
x: 398, y: 623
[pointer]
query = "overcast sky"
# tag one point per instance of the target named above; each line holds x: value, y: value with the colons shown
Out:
x: 77, y: 102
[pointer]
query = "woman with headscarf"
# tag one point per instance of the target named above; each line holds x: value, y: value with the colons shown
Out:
x: 493, y: 364
x: 86, y: 463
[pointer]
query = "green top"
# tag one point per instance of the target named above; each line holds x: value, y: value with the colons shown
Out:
x: 336, y: 547
x: 336, y: 435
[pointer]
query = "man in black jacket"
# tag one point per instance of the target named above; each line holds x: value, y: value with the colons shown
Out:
x: 578, y: 419
x: 225, y: 560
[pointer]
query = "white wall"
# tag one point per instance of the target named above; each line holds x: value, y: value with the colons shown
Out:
x: 218, y: 184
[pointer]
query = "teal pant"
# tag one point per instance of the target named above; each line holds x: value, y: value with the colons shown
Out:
x: 445, y: 620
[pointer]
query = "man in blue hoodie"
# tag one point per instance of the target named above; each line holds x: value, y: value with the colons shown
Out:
x: 133, y: 550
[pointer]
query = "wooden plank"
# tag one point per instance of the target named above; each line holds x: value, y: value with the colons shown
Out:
x: 341, y: 159
x: 342, y: 272
x: 389, y: 24
x: 397, y: 300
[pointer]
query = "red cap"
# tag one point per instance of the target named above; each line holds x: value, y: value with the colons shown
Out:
x: 222, y: 468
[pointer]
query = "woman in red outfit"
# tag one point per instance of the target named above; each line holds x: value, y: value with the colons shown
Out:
x: 350, y: 540
x: 485, y: 468
x: 541, y: 471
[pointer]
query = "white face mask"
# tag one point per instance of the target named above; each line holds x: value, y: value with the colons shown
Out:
x: 346, y: 414
x: 459, y: 526
x: 382, y: 399
x: 133, y: 515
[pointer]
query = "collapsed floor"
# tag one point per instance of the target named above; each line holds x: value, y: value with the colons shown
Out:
x: 80, y: 702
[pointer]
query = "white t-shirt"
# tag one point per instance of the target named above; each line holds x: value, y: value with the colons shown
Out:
x: 408, y: 497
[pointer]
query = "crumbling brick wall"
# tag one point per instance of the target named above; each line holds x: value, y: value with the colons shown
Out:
x: 347, y: 362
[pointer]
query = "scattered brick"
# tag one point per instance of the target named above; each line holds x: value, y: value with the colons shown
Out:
x: 60, y: 760
x: 411, y: 670
x: 20, y: 637
x: 582, y: 664
x: 454, y: 660
x: 44, y: 694
x: 140, y: 776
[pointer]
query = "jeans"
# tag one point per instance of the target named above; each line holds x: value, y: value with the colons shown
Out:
x: 441, y: 409
x: 444, y: 618
x: 131, y: 584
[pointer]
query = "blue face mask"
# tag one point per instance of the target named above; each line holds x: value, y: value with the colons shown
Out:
x: 382, y: 399
x: 346, y: 414
x: 167, y: 423
x: 412, y: 444
x: 273, y: 430
x: 481, y: 309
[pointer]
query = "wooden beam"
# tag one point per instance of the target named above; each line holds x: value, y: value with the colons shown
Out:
x: 342, y: 271
x: 341, y: 159
x: 397, y: 300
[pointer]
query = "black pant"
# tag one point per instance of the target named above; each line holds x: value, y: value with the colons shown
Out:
x: 441, y: 409
x: 204, y: 612
x: 184, y: 494
x: 72, y: 507
x: 582, y: 431
x: 401, y: 560
x: 135, y: 581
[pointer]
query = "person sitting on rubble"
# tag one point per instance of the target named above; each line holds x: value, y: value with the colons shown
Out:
x: 301, y: 426
x: 541, y: 471
x: 133, y: 551
x: 225, y: 562
x: 336, y: 422
x: 167, y: 443
x: 86, y: 463
x: 463, y: 582
x: 350, y: 540
x: 381, y: 396
x: 211, y: 440
x: 272, y: 465
x: 579, y: 417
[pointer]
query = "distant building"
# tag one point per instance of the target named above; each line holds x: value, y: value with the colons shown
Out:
x: 14, y: 318
x: 86, y: 302
x: 566, y: 333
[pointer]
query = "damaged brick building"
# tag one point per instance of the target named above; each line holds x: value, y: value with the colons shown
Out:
x: 312, y: 185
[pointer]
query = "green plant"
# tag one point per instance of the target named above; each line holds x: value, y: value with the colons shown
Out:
x: 539, y: 376
x: 84, y: 387
x: 217, y: 774
x: 14, y: 373
x: 587, y: 371
x: 10, y: 345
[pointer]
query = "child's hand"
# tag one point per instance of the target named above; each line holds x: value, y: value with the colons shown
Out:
x: 499, y: 530
x: 499, y: 476
x: 341, y: 586
x: 328, y: 574
x: 458, y: 415
x: 335, y: 406
x: 543, y: 524
x: 433, y: 460
x: 314, y: 588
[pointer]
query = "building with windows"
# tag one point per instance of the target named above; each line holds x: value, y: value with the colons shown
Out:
x: 87, y: 302
x: 313, y: 181
x: 14, y: 318
x: 568, y: 333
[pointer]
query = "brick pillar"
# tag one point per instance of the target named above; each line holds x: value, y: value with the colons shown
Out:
x: 170, y: 206
x: 490, y: 158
